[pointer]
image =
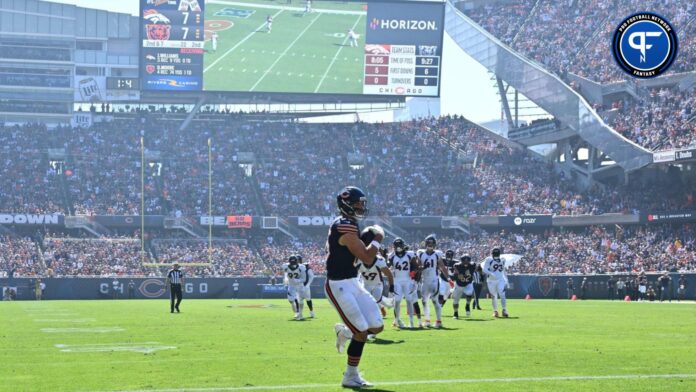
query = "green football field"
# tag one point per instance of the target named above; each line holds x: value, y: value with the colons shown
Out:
x: 228, y: 345
x: 304, y: 52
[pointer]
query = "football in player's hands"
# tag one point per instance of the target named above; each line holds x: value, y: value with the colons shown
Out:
x: 372, y: 233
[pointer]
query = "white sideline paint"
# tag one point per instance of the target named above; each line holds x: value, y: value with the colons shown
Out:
x: 83, y: 330
x: 245, y: 39
x: 425, y: 382
x: 146, y: 347
x: 284, y: 52
x: 79, y: 320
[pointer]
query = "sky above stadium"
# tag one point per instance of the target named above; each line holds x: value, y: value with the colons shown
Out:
x: 466, y: 86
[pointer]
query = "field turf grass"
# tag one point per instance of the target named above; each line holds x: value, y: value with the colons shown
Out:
x: 243, y: 344
x: 304, y: 53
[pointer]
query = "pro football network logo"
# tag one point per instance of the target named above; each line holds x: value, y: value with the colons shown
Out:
x: 645, y: 45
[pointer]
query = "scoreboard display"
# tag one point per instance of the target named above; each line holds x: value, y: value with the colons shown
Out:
x: 376, y: 47
x: 172, y: 46
x: 403, y: 49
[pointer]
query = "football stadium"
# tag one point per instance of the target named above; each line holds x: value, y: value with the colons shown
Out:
x: 326, y: 195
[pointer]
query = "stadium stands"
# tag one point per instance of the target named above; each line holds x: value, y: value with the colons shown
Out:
x: 539, y: 30
x: 411, y: 168
x: 19, y: 257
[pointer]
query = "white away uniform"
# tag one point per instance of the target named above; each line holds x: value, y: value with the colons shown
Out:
x: 372, y: 278
x: 404, y: 286
x: 432, y: 286
x: 495, y: 270
x: 294, y: 279
x: 497, y: 281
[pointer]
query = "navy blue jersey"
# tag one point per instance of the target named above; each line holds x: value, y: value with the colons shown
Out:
x: 449, y: 264
x: 341, y: 264
x: 464, y: 273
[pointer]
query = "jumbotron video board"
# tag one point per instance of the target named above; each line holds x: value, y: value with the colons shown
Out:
x: 389, y: 48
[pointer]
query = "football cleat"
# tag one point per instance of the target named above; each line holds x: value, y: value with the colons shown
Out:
x: 420, y: 324
x: 505, y: 313
x: 495, y: 314
x: 468, y: 313
x: 355, y: 381
x: 427, y: 323
x: 341, y: 337
x: 438, y: 324
x: 400, y: 323
x: 456, y: 316
x: 311, y: 314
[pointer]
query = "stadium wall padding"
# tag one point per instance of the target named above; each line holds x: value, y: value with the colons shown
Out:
x: 537, y: 286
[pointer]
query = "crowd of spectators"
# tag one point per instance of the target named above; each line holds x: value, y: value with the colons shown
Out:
x: 665, y: 118
x: 593, y: 250
x: 439, y: 166
x: 28, y: 184
x: 19, y: 257
x: 221, y: 258
x: 590, y: 250
x: 541, y: 30
x: 70, y: 257
x: 274, y: 252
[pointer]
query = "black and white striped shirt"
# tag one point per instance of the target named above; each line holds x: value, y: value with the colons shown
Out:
x: 175, y: 276
x: 477, y: 277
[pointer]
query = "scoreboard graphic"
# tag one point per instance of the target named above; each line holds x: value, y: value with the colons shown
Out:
x: 172, y: 45
x: 403, y: 49
x: 375, y: 47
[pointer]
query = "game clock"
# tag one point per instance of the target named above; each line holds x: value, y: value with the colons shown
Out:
x: 118, y: 83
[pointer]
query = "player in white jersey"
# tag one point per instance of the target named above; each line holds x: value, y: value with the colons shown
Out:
x: 401, y: 262
x: 494, y: 268
x: 214, y: 41
x: 308, y: 7
x: 307, y: 286
x: 433, y: 288
x: 352, y: 38
x: 372, y: 278
x: 294, y: 276
x: 269, y: 23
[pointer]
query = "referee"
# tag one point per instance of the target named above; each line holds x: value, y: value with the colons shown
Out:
x: 478, y: 285
x: 175, y: 278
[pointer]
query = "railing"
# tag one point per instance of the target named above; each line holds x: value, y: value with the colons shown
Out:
x: 546, y: 90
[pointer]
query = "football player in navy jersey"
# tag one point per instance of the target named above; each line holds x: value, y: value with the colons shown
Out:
x: 463, y: 274
x: 356, y: 307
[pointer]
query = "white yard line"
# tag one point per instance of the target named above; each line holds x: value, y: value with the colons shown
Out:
x: 431, y: 382
x: 336, y: 55
x: 284, y: 52
x: 232, y: 49
x: 285, y: 8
